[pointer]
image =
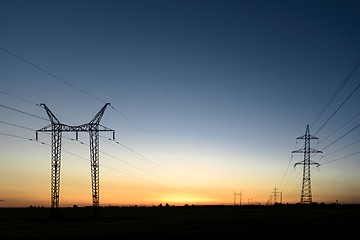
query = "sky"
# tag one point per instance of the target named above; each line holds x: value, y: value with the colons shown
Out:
x: 207, y: 100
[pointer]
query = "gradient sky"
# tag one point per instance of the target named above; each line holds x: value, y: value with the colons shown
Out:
x: 207, y: 98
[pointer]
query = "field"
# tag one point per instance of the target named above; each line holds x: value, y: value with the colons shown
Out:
x: 181, y: 222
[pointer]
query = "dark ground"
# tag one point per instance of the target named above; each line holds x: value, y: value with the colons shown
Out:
x: 220, y: 222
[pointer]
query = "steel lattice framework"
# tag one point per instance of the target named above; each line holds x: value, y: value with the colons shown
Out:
x: 306, y: 195
x: 56, y: 128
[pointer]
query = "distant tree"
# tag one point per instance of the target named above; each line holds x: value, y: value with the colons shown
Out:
x: 167, y: 205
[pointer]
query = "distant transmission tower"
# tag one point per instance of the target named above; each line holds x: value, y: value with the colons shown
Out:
x: 275, y: 194
x: 306, y: 196
x: 56, y: 128
x: 239, y: 194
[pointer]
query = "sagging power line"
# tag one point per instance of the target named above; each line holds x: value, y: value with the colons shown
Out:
x: 107, y: 138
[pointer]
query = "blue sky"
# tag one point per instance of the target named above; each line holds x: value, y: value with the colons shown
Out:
x: 214, y: 92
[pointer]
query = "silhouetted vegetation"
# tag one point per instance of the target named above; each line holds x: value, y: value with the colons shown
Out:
x: 178, y: 222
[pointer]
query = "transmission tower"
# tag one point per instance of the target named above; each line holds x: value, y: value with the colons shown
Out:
x: 306, y: 196
x: 275, y: 194
x: 239, y: 194
x: 56, y: 128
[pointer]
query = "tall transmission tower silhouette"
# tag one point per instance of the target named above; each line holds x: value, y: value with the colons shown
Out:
x: 56, y: 128
x: 306, y: 195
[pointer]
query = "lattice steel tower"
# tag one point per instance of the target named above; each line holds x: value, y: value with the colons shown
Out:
x: 56, y: 128
x: 306, y: 195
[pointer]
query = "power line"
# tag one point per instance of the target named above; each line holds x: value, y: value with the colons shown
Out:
x: 323, y: 110
x: 15, y: 125
x: 341, y: 127
x: 116, y: 158
x: 103, y: 165
x: 287, y: 168
x: 49, y: 73
x: 76, y: 155
x: 342, y: 136
x: 357, y: 87
x: 342, y: 148
x: 85, y: 92
x: 336, y: 93
x: 154, y: 163
x: 15, y: 136
x: 352, y: 154
x: 93, y: 96
x: 20, y: 98
x: 16, y: 110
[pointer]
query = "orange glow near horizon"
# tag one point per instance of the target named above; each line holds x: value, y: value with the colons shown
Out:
x: 182, y: 199
x: 70, y: 197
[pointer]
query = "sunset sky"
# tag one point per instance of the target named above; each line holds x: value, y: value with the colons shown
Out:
x: 207, y: 99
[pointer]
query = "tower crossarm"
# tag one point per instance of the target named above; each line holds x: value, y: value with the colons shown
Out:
x: 84, y: 128
x: 307, y: 136
x: 80, y: 128
x: 47, y: 128
x: 310, y: 163
x: 302, y: 150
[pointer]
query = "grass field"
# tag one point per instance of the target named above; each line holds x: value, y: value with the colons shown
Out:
x: 284, y: 221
